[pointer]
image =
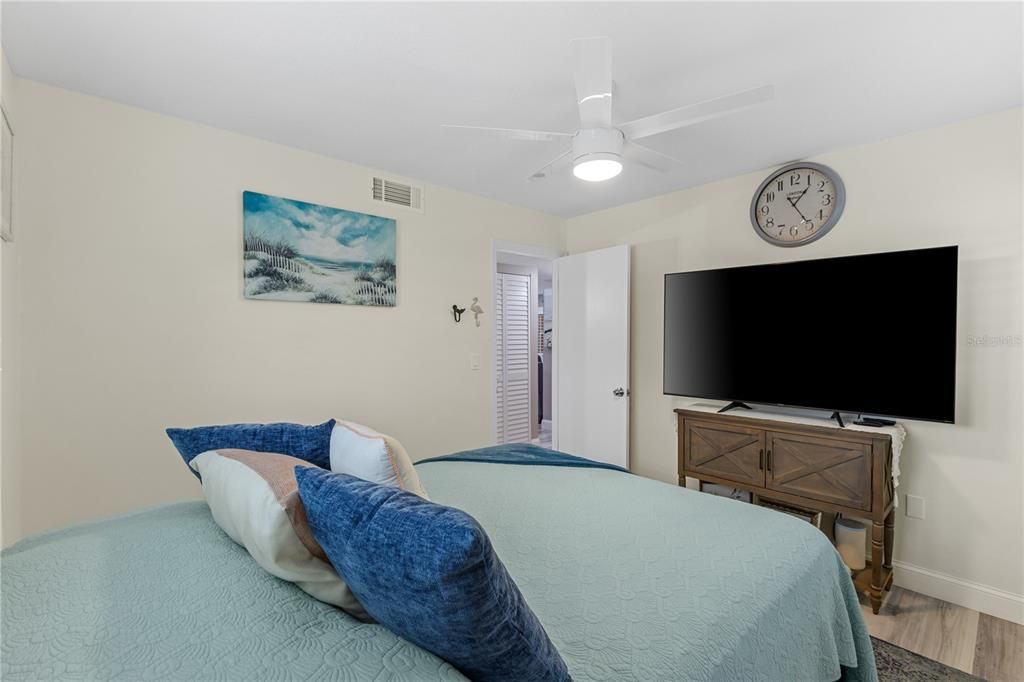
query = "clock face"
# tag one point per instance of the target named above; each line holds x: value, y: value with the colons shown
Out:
x: 797, y: 204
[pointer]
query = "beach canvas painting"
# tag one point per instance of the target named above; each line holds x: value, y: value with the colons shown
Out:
x: 296, y: 251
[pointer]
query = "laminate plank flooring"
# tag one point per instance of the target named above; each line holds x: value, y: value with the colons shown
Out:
x: 999, y: 652
x: 988, y: 647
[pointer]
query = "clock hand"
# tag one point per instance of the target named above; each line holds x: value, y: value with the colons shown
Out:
x: 793, y: 204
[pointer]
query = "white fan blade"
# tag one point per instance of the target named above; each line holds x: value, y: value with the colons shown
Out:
x: 552, y: 165
x: 514, y: 133
x: 592, y: 70
x: 645, y: 156
x: 695, y: 113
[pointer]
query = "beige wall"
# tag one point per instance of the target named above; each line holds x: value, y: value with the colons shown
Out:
x: 133, y: 317
x: 123, y: 314
x: 10, y: 494
x: 959, y: 184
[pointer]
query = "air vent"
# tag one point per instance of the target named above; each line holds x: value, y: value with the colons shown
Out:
x: 392, y: 192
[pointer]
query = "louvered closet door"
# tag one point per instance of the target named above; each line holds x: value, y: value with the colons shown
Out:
x: 499, y: 357
x: 512, y: 356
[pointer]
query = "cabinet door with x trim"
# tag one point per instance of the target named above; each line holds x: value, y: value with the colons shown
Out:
x: 829, y: 470
x: 733, y: 452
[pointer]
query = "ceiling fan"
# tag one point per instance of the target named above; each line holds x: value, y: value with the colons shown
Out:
x: 599, y: 147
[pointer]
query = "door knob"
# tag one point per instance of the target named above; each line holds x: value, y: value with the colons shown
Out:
x: 619, y: 392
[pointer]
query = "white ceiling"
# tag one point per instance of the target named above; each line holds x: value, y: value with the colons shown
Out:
x: 372, y: 83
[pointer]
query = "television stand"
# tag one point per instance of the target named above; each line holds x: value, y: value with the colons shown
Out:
x: 839, y: 419
x: 818, y: 467
x: 733, y: 405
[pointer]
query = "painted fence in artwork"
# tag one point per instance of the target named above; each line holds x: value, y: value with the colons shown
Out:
x: 281, y: 262
x: 278, y: 254
x: 383, y: 294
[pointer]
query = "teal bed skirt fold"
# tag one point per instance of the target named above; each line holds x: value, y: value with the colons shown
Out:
x: 524, y: 454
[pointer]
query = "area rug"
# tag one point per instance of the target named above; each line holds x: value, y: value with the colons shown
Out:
x: 897, y: 664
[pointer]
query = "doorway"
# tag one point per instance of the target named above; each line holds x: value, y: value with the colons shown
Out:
x: 523, y: 344
x: 568, y: 388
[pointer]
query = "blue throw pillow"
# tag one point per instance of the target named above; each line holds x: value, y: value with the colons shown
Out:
x: 309, y: 443
x: 428, y: 573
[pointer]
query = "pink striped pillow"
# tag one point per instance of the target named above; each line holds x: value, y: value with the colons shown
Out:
x: 254, y: 498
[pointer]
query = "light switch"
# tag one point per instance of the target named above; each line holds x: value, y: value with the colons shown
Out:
x: 915, y: 507
x: 474, y: 361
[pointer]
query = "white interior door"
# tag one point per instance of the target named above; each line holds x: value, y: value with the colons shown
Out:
x: 591, y: 348
x: 513, y: 357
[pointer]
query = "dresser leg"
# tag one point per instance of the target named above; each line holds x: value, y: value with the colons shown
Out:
x: 876, y: 566
x: 890, y: 524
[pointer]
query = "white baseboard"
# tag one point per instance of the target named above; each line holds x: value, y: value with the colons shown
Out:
x: 990, y: 600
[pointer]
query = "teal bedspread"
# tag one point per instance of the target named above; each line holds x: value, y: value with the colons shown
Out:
x: 633, y: 579
x: 636, y: 579
x: 164, y: 594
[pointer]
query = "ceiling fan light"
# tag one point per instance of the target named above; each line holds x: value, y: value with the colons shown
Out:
x: 597, y: 167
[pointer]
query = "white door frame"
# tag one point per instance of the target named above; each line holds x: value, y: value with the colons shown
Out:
x: 531, y: 251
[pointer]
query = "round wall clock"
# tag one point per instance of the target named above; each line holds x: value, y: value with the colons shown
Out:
x: 797, y: 204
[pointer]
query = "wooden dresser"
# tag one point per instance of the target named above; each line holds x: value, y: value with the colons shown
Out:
x: 814, y: 467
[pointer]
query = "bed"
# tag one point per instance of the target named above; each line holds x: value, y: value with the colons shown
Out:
x: 632, y: 578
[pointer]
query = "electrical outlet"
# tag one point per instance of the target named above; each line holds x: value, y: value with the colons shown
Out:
x: 474, y: 361
x: 915, y: 507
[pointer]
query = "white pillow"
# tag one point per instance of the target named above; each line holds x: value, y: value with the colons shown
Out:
x: 360, y: 451
x: 254, y: 498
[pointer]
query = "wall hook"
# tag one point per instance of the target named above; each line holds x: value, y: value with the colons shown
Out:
x: 477, y: 311
x: 457, y: 312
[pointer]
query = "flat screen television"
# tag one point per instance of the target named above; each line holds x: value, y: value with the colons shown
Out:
x: 872, y: 334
